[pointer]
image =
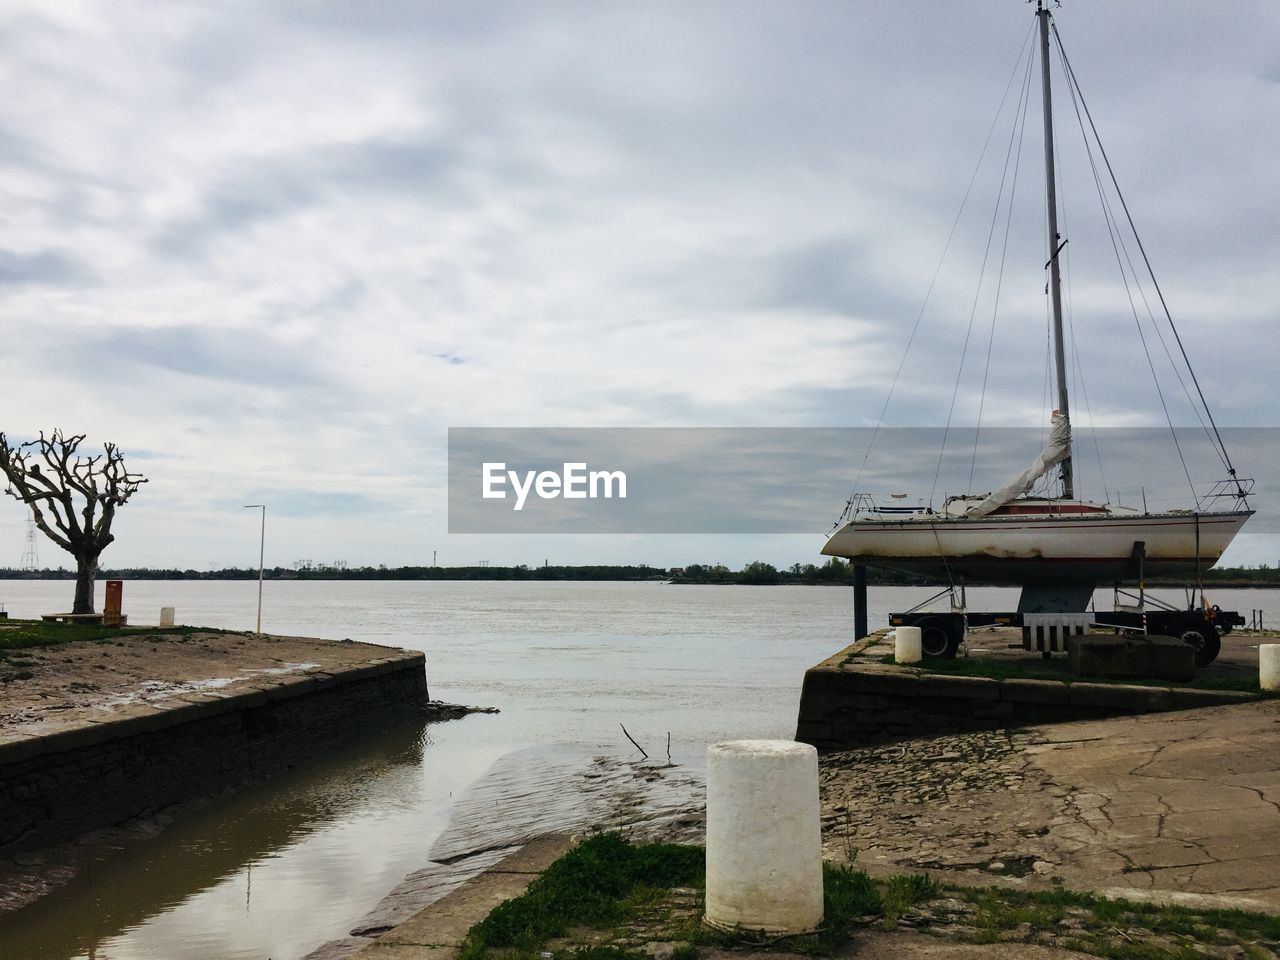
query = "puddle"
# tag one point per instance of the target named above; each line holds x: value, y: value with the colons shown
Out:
x: 153, y: 691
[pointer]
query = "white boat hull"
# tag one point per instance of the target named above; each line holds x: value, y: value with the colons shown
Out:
x: 1050, y: 549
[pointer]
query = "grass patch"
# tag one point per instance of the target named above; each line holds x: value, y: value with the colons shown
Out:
x: 607, y: 882
x: 1037, y: 668
x: 597, y: 884
x: 1000, y: 911
x: 18, y: 635
x: 902, y: 892
x: 850, y: 898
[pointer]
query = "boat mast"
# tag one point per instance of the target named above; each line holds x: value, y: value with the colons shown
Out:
x: 1055, y: 244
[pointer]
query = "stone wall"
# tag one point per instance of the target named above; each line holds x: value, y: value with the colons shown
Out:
x: 851, y: 706
x: 97, y: 774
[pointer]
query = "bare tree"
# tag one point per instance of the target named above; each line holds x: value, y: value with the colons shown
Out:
x: 73, y: 497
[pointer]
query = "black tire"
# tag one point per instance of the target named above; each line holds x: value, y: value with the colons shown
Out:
x: 1202, y: 635
x: 938, y: 638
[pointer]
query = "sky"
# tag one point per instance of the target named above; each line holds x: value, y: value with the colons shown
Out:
x: 276, y: 250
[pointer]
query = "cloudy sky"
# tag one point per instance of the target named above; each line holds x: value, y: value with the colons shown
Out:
x: 276, y: 250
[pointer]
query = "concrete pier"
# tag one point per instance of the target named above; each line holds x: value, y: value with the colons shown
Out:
x: 95, y: 734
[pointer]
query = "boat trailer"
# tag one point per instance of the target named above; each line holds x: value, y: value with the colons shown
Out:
x: 1201, y: 626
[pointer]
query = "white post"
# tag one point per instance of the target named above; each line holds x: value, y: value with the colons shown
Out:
x: 262, y: 552
x: 166, y: 616
x: 1269, y: 666
x: 906, y: 645
x: 764, y: 837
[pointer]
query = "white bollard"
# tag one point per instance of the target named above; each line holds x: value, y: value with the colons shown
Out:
x: 166, y: 616
x: 764, y: 837
x: 906, y: 645
x: 1269, y: 666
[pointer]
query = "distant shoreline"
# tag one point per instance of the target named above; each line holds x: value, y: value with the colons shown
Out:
x: 832, y: 573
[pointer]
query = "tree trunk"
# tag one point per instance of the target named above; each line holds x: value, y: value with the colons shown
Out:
x: 86, y: 571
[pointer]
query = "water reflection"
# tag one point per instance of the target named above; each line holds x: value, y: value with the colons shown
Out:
x: 366, y: 780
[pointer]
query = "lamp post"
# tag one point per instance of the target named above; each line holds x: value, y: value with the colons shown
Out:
x: 262, y: 548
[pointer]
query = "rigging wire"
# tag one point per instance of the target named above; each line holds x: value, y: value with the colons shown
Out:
x: 945, y: 249
x: 1151, y: 272
x: 1078, y: 367
x: 1169, y: 355
x: 1117, y: 241
x: 1048, y: 370
x: 977, y: 295
x: 1142, y: 293
x: 1004, y: 250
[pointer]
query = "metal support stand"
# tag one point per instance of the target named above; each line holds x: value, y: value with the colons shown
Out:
x: 859, y: 601
x: 1140, y: 557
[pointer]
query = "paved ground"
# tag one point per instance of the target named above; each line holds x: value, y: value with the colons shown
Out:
x: 1175, y: 806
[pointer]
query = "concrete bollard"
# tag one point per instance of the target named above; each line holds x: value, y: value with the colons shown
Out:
x: 906, y: 645
x: 764, y: 837
x: 166, y: 616
x: 1269, y: 666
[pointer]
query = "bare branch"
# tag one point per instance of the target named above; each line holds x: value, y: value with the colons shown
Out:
x: 633, y: 740
x: 49, y: 532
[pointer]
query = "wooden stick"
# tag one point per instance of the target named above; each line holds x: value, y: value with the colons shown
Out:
x: 633, y: 740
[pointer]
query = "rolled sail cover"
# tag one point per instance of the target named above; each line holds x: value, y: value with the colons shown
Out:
x: 1055, y: 451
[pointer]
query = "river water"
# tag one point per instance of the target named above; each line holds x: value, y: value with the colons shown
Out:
x: 278, y: 869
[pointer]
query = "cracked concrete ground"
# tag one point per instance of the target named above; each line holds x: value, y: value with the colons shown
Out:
x: 1176, y: 807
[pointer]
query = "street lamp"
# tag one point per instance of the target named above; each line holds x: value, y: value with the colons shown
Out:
x: 262, y: 547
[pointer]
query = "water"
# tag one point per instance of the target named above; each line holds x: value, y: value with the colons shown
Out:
x: 278, y: 869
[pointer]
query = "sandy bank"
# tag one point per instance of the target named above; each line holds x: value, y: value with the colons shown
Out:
x: 46, y: 689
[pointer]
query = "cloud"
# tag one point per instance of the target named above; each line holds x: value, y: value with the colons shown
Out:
x: 833, y: 276
x: 284, y: 247
x: 262, y: 191
x: 46, y: 268
x: 242, y: 356
x: 312, y: 503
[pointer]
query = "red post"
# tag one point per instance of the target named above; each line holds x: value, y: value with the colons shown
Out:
x: 111, y: 605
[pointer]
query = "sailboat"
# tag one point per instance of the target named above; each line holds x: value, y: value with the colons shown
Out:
x: 1009, y: 537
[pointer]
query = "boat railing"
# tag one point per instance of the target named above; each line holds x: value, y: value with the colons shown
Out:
x: 864, y: 504
x: 1234, y: 489
x: 1223, y: 496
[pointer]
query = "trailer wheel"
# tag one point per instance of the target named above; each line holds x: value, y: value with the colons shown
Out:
x: 936, y: 639
x: 1200, y: 633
